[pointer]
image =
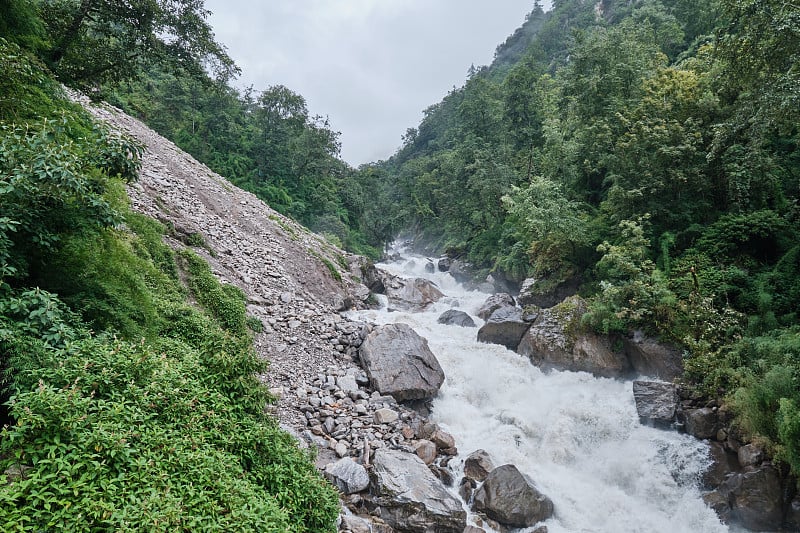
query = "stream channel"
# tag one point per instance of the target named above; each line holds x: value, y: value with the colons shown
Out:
x: 577, y: 436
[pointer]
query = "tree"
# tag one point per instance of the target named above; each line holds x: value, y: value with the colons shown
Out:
x: 97, y: 41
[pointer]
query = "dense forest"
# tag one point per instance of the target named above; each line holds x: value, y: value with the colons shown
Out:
x: 111, y: 343
x: 645, y: 149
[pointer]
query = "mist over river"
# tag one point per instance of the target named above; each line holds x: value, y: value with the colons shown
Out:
x: 578, y: 437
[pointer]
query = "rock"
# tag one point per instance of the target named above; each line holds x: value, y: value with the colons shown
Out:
x: 719, y: 503
x: 793, y: 515
x: 750, y: 455
x: 410, y: 294
x: 702, y: 423
x: 656, y: 402
x: 511, y: 498
x: 756, y: 497
x: 354, y: 524
x: 505, y: 327
x: 347, y: 383
x: 443, y: 440
x: 723, y: 465
x: 287, y: 297
x: 341, y: 449
x: 398, y: 362
x: 478, y: 465
x: 443, y: 264
x: 495, y: 302
x: 466, y: 488
x: 430, y: 268
x: 474, y: 529
x: 454, y: 317
x: 385, y: 416
x: 461, y: 271
x: 556, y: 341
x: 651, y: 358
x: 546, y: 292
x: 410, y: 498
x: 347, y: 475
x: 425, y: 450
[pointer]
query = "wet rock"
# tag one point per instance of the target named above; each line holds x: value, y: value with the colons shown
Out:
x: 793, y: 515
x: 410, y: 498
x: 478, y: 465
x: 466, y: 488
x: 398, y: 362
x: 348, y: 476
x: 454, y: 317
x: 652, y: 358
x: 443, y: 264
x: 461, y: 271
x: 656, y: 402
x: 545, y: 292
x: 555, y: 341
x: 702, y: 423
x: 443, y: 440
x: 506, y: 327
x: 495, y: 302
x: 430, y: 268
x: 723, y: 465
x: 511, y: 498
x: 756, y: 496
x: 410, y: 294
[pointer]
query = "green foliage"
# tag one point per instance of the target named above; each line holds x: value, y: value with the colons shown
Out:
x: 94, y: 41
x: 224, y: 302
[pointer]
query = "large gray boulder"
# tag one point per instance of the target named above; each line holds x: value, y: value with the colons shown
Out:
x: 546, y: 292
x: 454, y: 317
x: 347, y: 475
x: 756, y: 498
x: 410, y: 498
x: 556, y: 341
x: 495, y: 302
x: 461, y: 271
x: 656, y: 402
x: 506, y: 327
x: 652, y: 358
x: 399, y: 362
x: 511, y: 498
x: 410, y: 294
x: 702, y: 423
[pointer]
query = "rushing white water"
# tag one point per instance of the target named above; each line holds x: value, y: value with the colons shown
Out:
x: 577, y: 436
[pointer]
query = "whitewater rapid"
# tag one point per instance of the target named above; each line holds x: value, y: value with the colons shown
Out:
x: 578, y: 437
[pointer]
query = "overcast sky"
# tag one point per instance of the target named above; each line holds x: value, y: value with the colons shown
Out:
x: 371, y: 66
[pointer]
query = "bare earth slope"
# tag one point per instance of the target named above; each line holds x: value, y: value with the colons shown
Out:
x: 273, y: 259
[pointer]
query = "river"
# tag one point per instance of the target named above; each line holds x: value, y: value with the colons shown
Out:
x: 578, y: 437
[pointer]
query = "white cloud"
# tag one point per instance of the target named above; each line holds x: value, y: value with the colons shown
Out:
x: 372, y: 66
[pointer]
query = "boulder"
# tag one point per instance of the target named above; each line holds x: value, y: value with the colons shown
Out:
x: 443, y: 264
x: 410, y: 294
x: 545, y: 292
x: 656, y: 402
x: 555, y: 341
x: 495, y: 302
x: 793, y: 515
x: 506, y: 326
x: 652, y: 358
x: 702, y: 423
x: 411, y: 498
x: 478, y: 465
x: 461, y: 271
x: 453, y: 317
x: 399, y: 362
x: 511, y: 498
x: 723, y: 465
x: 347, y: 475
x: 750, y: 455
x: 430, y: 268
x: 425, y: 450
x: 756, y: 497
